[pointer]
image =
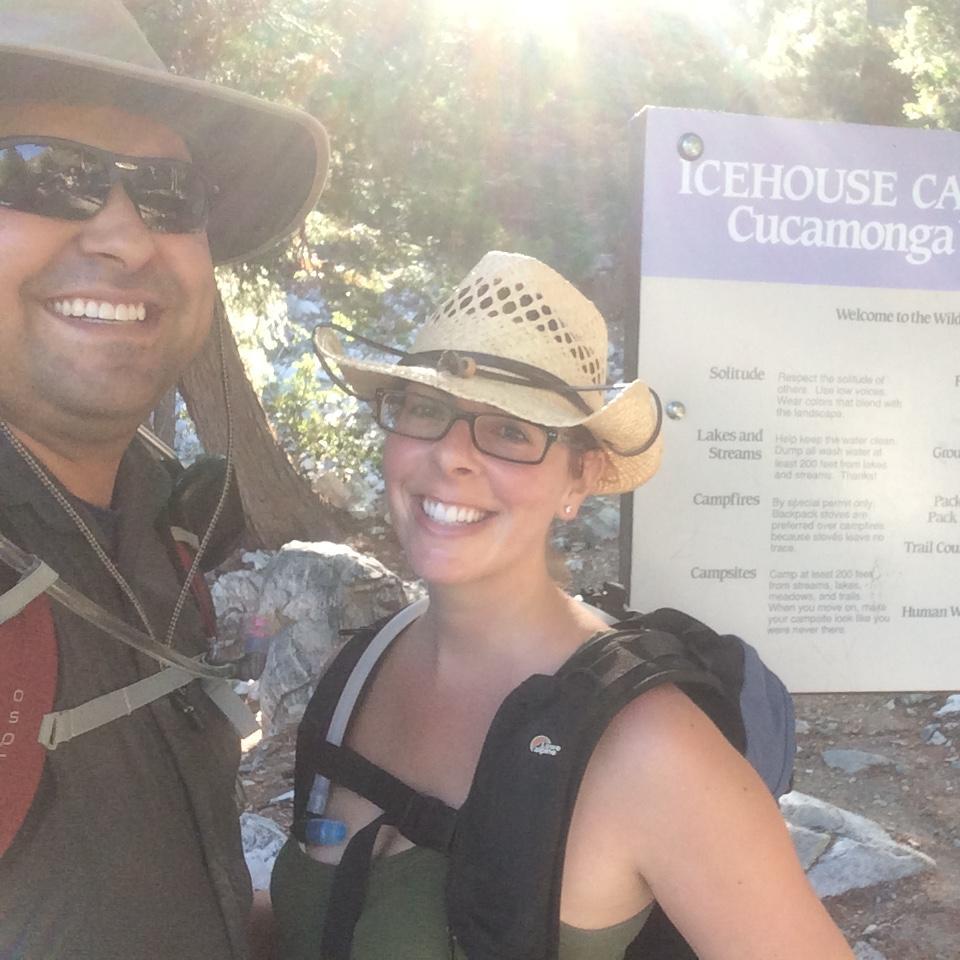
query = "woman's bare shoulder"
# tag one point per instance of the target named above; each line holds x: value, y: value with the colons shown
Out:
x: 661, y: 758
x: 700, y: 827
x: 666, y: 726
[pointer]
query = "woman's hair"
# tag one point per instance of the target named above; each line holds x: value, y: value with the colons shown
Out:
x: 580, y: 440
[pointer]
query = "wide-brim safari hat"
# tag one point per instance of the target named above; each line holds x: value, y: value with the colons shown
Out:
x: 516, y: 335
x: 268, y: 161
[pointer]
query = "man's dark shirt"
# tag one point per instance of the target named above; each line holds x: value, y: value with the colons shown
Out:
x: 131, y: 849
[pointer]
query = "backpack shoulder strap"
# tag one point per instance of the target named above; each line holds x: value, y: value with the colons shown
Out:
x: 64, y: 725
x: 28, y: 684
x: 506, y: 859
x: 322, y: 758
x: 766, y: 712
x: 182, y: 546
x: 327, y: 717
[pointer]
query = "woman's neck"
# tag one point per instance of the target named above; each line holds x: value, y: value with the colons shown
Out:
x: 517, y: 630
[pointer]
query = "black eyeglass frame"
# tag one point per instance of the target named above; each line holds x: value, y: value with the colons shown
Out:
x: 552, y: 435
x: 120, y: 168
x: 458, y: 362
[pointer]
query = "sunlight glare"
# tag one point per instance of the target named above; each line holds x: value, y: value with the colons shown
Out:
x: 555, y: 22
x: 552, y: 21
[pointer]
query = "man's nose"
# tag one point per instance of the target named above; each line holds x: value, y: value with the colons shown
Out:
x: 118, y: 232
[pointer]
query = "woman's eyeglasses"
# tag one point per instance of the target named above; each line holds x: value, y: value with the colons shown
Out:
x: 59, y: 178
x: 423, y: 417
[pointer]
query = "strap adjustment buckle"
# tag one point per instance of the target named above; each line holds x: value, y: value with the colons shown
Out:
x: 33, y: 581
x: 426, y: 822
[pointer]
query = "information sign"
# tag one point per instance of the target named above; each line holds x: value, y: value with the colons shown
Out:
x: 800, y: 319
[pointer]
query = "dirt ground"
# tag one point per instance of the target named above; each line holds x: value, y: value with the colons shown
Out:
x: 916, y: 798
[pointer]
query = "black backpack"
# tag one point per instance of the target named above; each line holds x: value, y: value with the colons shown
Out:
x: 538, y: 745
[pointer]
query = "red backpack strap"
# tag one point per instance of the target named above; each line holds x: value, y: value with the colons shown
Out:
x: 28, y: 685
x: 184, y: 550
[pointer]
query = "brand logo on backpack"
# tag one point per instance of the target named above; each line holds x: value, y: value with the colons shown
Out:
x: 544, y: 746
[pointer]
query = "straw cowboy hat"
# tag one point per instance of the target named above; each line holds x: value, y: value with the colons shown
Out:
x: 519, y: 337
x: 268, y: 161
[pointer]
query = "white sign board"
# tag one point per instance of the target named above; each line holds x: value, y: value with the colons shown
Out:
x: 800, y: 318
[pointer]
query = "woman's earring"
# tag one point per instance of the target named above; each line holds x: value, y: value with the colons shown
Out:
x: 567, y: 510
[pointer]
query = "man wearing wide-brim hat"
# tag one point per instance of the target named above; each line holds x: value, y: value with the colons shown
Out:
x: 121, y: 185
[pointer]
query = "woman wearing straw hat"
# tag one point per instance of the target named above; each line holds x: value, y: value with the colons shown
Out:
x: 496, y: 427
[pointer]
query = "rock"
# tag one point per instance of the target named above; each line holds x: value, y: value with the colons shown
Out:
x: 852, y: 865
x: 597, y: 521
x: 846, y: 851
x: 236, y: 595
x: 257, y: 559
x: 809, y: 844
x: 313, y: 591
x: 951, y: 706
x: 932, y: 735
x: 603, y: 515
x: 262, y: 840
x: 332, y: 489
x: 802, y: 726
x: 854, y: 761
x: 803, y: 811
x: 914, y: 699
x: 863, y: 951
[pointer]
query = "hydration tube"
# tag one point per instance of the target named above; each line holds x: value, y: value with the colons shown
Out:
x: 26, y: 564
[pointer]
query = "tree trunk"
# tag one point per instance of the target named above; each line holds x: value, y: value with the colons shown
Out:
x: 278, y: 503
x: 163, y: 422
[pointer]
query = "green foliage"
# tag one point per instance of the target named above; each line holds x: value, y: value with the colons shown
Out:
x: 830, y: 60
x: 928, y: 49
x: 455, y: 133
x: 319, y: 427
x: 322, y: 425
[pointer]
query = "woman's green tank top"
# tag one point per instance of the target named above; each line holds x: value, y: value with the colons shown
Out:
x: 403, y: 913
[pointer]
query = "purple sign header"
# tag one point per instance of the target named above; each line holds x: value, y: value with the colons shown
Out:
x: 731, y: 197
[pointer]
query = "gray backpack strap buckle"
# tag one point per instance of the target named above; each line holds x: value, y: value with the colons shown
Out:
x: 64, y: 725
x: 31, y: 584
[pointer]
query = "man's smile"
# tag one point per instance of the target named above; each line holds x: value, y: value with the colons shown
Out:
x: 100, y: 310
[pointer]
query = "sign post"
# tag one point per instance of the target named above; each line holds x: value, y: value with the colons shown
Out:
x: 800, y: 317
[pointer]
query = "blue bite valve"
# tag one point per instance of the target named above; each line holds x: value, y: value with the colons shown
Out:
x: 325, y: 832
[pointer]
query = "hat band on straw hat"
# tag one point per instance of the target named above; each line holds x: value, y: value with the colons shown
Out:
x: 654, y: 434
x: 464, y: 363
x: 467, y: 364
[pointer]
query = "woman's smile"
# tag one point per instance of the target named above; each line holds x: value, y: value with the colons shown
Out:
x: 451, y: 513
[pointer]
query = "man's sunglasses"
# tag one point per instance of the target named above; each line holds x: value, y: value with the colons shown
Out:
x: 72, y: 181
